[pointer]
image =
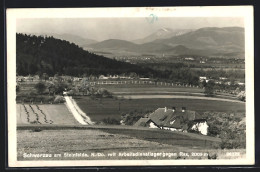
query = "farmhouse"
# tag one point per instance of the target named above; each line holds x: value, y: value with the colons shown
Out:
x: 175, y: 120
x: 146, y: 122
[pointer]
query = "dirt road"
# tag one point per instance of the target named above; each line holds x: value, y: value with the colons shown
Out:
x: 78, y: 114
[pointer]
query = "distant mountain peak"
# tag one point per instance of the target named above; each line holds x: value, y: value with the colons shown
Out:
x: 163, y: 33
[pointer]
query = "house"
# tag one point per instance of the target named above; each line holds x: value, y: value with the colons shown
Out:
x: 103, y: 77
x: 189, y: 58
x: 145, y: 122
x: 175, y: 120
x: 222, y: 78
x: 202, y: 78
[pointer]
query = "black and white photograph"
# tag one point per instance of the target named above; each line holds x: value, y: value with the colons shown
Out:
x: 130, y: 86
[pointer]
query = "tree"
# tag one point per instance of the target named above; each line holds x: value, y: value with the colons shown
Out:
x: 40, y: 87
x: 242, y: 96
x: 17, y: 88
x: 45, y: 76
x: 209, y: 88
x: 60, y: 87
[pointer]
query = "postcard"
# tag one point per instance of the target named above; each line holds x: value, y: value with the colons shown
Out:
x: 138, y: 86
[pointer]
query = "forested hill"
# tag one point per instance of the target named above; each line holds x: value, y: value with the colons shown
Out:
x: 37, y: 55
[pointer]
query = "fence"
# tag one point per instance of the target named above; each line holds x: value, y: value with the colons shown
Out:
x: 134, y: 82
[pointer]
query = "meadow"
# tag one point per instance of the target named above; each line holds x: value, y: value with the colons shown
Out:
x: 99, y: 108
x: 93, y: 141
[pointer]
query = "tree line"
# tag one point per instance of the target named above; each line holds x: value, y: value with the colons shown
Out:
x: 38, y: 55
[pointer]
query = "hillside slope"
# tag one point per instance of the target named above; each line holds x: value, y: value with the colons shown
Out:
x: 37, y: 55
x: 78, y: 40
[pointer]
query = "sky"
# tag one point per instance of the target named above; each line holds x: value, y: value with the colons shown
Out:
x: 119, y: 28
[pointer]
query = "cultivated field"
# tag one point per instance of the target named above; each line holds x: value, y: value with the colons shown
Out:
x: 98, y: 109
x: 43, y: 114
x: 95, y: 142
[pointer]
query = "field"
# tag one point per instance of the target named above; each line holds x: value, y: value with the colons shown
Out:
x: 98, y: 143
x: 132, y: 89
x: 136, y: 88
x: 44, y: 114
x: 98, y: 109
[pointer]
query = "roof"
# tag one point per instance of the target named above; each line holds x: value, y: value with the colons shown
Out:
x: 173, y: 119
x: 142, y: 122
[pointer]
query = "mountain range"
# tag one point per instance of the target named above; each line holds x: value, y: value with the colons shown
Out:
x: 208, y: 41
x: 211, y: 41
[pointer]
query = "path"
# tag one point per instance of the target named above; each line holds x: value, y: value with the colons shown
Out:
x: 78, y: 114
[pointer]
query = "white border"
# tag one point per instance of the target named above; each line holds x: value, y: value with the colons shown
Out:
x: 222, y: 11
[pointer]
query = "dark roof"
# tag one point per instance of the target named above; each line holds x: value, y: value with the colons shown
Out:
x: 142, y: 122
x: 173, y: 119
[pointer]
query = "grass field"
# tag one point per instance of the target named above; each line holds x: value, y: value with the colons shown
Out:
x: 98, y: 109
x: 96, y: 141
x: 44, y: 114
x: 136, y: 88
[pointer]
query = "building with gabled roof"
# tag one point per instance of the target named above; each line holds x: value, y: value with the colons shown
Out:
x: 175, y: 120
x: 145, y: 122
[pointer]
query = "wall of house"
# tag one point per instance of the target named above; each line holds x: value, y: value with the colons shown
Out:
x: 152, y: 125
x: 202, y: 127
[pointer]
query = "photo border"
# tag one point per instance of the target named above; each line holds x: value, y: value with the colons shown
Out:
x: 247, y: 93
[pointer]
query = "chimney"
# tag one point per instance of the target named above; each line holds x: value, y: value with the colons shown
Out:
x: 173, y: 108
x: 183, y: 109
x: 165, y: 109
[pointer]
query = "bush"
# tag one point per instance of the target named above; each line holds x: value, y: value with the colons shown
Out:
x: 213, y: 130
x: 59, y: 99
x: 229, y: 127
x: 105, y: 93
x: 111, y: 121
x: 40, y: 87
x: 36, y: 130
x: 242, y: 96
